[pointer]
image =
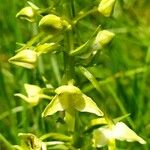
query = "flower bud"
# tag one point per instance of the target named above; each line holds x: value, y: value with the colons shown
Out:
x: 25, y: 58
x: 102, y: 39
x: 27, y: 13
x: 52, y: 23
x: 105, y: 7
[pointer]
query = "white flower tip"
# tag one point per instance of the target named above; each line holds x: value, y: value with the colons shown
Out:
x: 122, y: 132
x: 141, y: 141
x: 32, y: 90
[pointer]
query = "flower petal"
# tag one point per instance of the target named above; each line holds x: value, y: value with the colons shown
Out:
x: 99, y: 138
x: 22, y: 96
x: 122, y: 132
x: 86, y: 104
x: 53, y: 107
x: 32, y: 90
x: 32, y: 100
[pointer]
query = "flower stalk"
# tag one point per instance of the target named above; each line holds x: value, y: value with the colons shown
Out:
x: 58, y: 33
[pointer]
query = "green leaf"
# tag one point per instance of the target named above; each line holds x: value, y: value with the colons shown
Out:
x: 33, y: 5
x: 81, y: 49
x: 91, y: 78
x: 120, y: 118
x: 86, y: 46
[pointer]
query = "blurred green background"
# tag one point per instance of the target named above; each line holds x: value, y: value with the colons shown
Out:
x: 122, y: 70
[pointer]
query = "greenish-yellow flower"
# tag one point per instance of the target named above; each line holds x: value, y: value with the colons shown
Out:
x: 70, y: 97
x: 34, y: 94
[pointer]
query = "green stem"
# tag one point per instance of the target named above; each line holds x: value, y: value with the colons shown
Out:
x: 112, y: 145
x: 55, y: 68
x: 68, y: 68
x: 69, y: 45
x: 83, y: 14
x: 32, y: 41
x: 55, y: 136
x: 71, y: 117
x: 14, y: 110
x: 7, y: 144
